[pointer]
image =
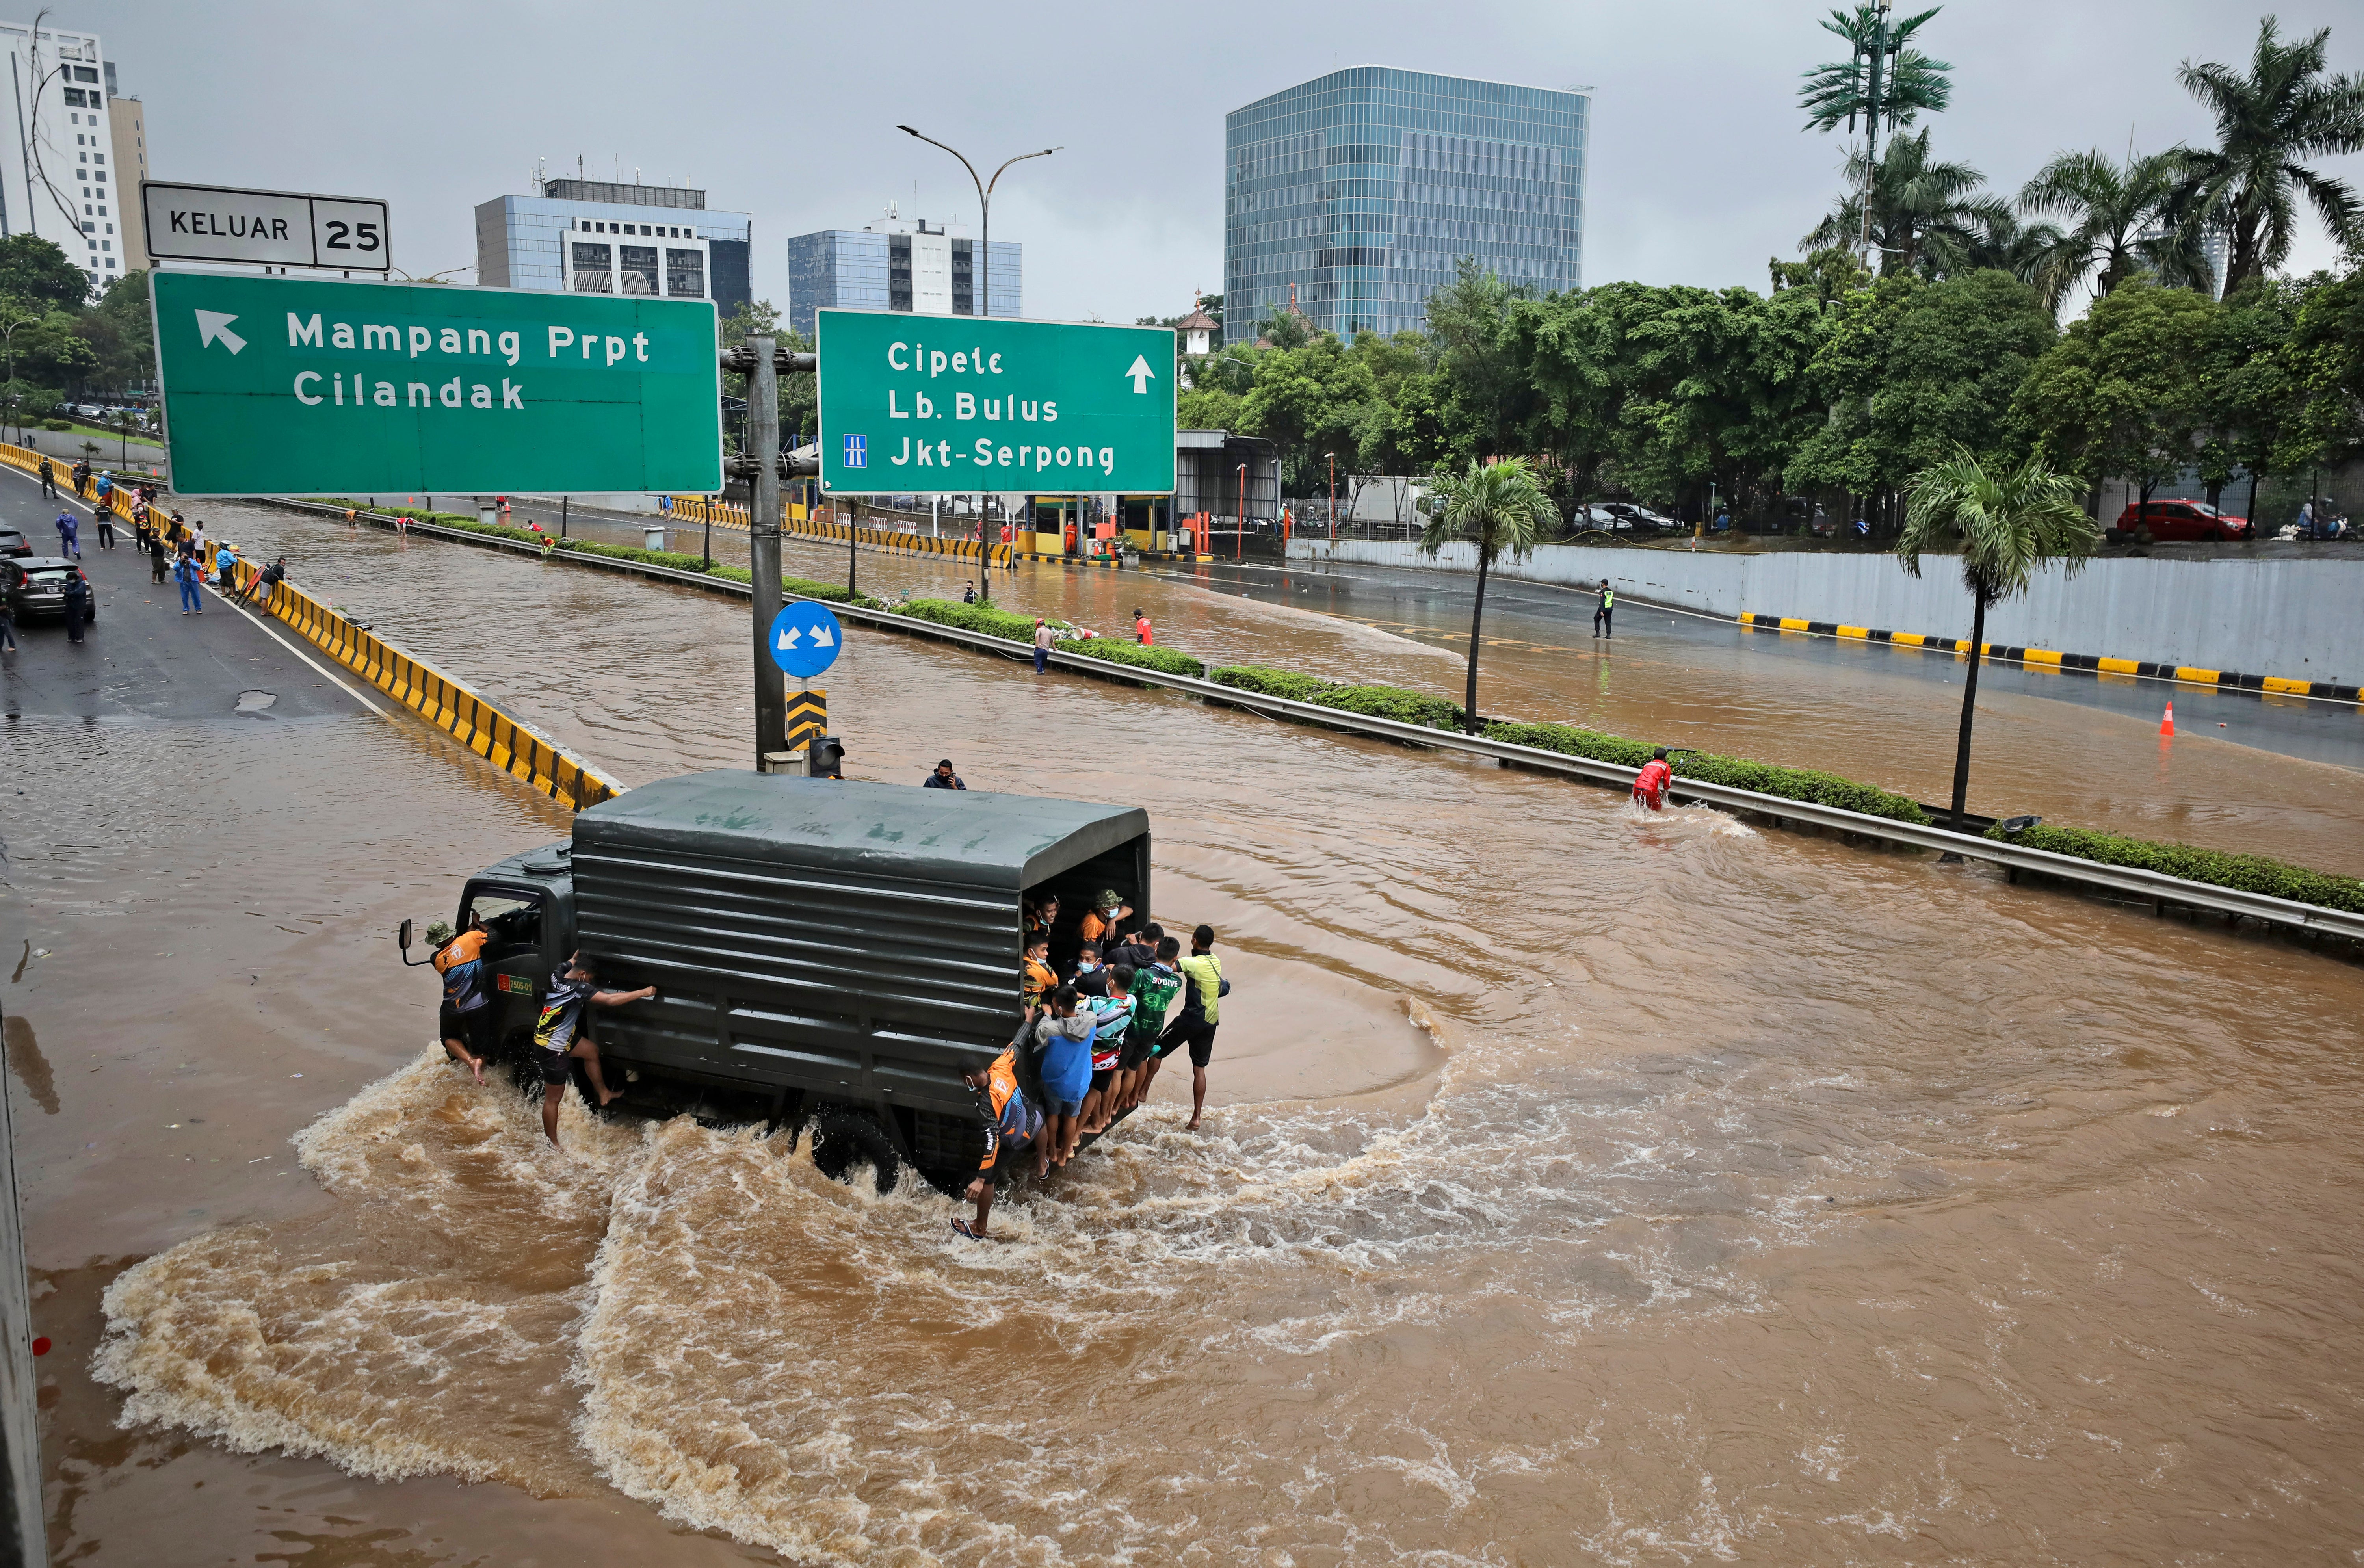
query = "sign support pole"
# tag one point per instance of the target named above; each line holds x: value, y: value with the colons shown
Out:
x: 762, y: 446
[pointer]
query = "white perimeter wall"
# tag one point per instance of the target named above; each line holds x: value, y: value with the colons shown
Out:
x: 2302, y: 619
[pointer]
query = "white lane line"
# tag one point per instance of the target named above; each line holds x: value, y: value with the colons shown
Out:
x: 268, y: 630
x: 272, y: 632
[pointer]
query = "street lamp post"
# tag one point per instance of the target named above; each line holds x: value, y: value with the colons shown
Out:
x: 983, y: 304
x: 1240, y: 540
x: 1333, y: 498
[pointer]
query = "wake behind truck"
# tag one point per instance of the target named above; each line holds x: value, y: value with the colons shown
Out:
x: 829, y: 956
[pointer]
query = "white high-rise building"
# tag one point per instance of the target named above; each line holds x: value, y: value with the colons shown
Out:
x: 62, y: 179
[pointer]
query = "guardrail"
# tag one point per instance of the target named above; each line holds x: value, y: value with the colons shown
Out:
x: 2154, y: 887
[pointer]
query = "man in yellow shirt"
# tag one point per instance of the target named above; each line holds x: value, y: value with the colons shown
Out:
x: 1202, y: 989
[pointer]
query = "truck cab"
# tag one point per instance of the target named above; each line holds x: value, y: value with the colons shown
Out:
x: 828, y: 954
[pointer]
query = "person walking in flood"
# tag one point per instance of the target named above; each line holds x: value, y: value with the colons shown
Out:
x: 560, y: 1034
x: 1604, y: 617
x: 1041, y: 645
x: 1143, y: 632
x: 1650, y: 784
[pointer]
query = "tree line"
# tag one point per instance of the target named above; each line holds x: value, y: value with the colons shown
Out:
x: 61, y: 343
x: 1862, y: 365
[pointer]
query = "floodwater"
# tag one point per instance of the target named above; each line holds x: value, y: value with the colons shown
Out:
x: 1595, y: 1188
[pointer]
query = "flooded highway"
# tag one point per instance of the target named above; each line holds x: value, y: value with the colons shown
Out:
x: 1582, y: 1188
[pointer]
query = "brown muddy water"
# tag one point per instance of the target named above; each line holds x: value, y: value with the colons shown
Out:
x: 1582, y: 1188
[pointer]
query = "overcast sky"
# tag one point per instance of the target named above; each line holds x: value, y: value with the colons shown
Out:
x: 1699, y: 169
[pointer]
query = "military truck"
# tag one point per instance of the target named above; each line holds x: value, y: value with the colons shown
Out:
x: 829, y: 956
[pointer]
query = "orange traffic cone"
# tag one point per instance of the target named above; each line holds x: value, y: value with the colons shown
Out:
x: 2167, y: 725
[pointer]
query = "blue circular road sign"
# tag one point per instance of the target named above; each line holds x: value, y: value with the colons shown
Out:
x: 805, y: 638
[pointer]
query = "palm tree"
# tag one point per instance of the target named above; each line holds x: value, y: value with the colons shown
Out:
x: 1838, y: 91
x: 1925, y: 216
x: 2267, y: 124
x: 2113, y: 215
x: 2004, y: 525
x: 1497, y: 507
x: 2006, y: 245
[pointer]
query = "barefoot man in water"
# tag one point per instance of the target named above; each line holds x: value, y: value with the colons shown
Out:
x: 577, y: 985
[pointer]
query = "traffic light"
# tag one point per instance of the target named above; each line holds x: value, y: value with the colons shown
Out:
x: 828, y: 758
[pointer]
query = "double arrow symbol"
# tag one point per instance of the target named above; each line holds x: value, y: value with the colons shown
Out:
x: 821, y: 637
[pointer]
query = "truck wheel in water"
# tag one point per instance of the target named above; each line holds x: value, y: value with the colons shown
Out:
x: 842, y: 1139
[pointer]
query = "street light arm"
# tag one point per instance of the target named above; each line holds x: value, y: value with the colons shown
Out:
x: 1019, y: 158
x: 956, y: 152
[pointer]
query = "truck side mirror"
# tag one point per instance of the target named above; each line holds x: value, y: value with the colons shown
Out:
x: 403, y: 936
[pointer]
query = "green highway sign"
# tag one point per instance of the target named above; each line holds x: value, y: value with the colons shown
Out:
x: 954, y: 403
x: 318, y: 386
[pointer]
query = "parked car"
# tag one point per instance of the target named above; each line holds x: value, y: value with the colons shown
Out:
x: 35, y: 586
x: 1586, y: 519
x: 13, y: 542
x: 1640, y: 517
x: 2176, y: 520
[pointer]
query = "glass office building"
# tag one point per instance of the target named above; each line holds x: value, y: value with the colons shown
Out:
x: 1364, y: 189
x: 899, y: 265
x: 595, y: 237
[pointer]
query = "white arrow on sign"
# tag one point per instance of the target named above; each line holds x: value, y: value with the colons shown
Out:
x: 788, y: 636
x: 822, y: 638
x: 1141, y: 372
x: 214, y: 326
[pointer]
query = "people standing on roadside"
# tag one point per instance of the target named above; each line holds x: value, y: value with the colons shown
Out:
x: 265, y: 581
x: 1202, y: 991
x: 48, y: 480
x: 560, y: 1034
x: 188, y: 574
x: 1141, y: 632
x: 460, y: 1018
x: 224, y: 567
x: 105, y: 484
x: 68, y: 537
x: 77, y: 604
x: 105, y: 518
x: 943, y: 777
x: 1041, y: 645
x: 82, y: 478
x: 1604, y: 615
x: 156, y: 554
x: 1650, y: 784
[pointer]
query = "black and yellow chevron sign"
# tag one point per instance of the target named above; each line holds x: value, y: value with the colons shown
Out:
x: 808, y: 715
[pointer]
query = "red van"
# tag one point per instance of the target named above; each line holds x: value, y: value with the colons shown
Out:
x: 2175, y: 520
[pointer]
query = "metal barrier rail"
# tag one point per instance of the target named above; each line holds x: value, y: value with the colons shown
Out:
x: 2154, y: 887
x: 441, y: 701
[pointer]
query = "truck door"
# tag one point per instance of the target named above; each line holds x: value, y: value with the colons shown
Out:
x: 516, y: 969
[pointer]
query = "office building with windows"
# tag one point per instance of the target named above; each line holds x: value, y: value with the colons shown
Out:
x: 598, y: 236
x: 1364, y: 189
x: 69, y: 181
x: 899, y: 264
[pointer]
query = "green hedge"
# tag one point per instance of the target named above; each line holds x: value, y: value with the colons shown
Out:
x: 1396, y: 703
x: 2249, y: 874
x: 1734, y: 772
x: 794, y: 587
x: 986, y: 621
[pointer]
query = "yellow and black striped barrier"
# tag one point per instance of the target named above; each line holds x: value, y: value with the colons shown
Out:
x: 427, y: 692
x: 891, y: 540
x: 2045, y: 658
x: 807, y: 716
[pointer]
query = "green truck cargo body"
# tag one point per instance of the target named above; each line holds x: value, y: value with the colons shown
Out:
x: 826, y: 940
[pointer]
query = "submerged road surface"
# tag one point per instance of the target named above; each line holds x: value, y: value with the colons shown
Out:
x: 1740, y: 1197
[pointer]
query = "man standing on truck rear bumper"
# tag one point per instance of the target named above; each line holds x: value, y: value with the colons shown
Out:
x: 556, y: 1036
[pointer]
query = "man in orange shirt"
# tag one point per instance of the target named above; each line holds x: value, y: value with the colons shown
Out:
x: 1141, y: 629
x: 1650, y: 784
x: 467, y: 1011
x: 1106, y: 911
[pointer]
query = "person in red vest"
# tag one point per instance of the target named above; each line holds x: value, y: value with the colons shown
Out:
x: 1650, y: 784
x: 1142, y: 633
